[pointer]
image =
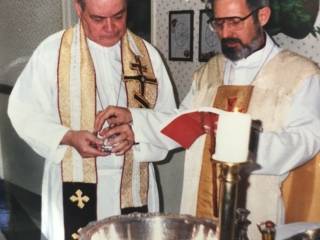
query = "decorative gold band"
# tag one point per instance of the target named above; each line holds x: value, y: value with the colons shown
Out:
x: 87, y: 101
x: 142, y: 89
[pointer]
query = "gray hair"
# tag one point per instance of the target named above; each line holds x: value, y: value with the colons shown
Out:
x: 252, y: 4
x: 255, y: 4
x: 82, y: 3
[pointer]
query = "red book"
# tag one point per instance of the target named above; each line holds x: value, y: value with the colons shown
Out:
x: 188, y: 126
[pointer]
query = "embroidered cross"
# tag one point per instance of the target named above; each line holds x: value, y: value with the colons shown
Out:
x: 142, y: 100
x: 138, y: 66
x: 79, y: 198
x: 141, y: 78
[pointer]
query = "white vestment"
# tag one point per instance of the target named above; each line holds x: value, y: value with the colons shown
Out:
x: 278, y: 151
x: 34, y: 114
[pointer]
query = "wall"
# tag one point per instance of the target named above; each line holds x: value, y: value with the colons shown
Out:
x: 21, y: 165
x: 171, y: 172
x: 23, y: 25
x: 181, y: 71
x: 309, y: 46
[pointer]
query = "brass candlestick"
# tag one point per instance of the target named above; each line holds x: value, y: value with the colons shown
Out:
x: 228, y: 195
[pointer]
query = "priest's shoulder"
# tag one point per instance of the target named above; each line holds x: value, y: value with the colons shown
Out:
x: 154, y: 53
x: 294, y: 59
x: 48, y: 50
x: 51, y: 43
x: 215, y: 63
x: 288, y: 63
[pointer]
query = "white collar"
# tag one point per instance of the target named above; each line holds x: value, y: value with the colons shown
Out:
x: 103, y: 48
x: 255, y: 59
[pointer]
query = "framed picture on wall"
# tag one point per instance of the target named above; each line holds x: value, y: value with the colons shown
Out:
x: 209, y: 43
x: 181, y: 35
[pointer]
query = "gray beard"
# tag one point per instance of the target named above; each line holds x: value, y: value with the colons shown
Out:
x: 245, y: 50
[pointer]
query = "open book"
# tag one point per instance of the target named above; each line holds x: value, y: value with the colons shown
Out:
x: 187, y: 126
x: 231, y: 130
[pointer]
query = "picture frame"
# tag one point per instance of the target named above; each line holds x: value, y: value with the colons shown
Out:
x: 181, y: 35
x: 209, y: 43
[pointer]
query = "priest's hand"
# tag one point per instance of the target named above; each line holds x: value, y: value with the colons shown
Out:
x: 86, y: 143
x: 120, y: 137
x: 114, y: 116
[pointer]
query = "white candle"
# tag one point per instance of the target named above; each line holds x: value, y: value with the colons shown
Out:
x: 232, y: 137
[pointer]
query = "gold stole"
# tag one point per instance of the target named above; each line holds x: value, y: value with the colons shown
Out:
x: 232, y: 99
x: 77, y: 109
x: 87, y: 101
x: 301, y: 193
x: 142, y: 92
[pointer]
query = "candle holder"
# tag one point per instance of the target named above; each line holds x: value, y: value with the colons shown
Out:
x: 242, y: 224
x: 228, y: 194
x: 232, y: 221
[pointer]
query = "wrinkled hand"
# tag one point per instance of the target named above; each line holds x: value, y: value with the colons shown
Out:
x: 121, y: 138
x: 86, y: 143
x: 114, y: 116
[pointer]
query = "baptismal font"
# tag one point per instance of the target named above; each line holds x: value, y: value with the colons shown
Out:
x: 231, y: 152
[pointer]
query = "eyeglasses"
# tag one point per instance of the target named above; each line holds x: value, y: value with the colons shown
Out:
x: 235, y: 23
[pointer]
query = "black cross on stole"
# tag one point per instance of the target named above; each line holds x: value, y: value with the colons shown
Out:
x: 140, y: 77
